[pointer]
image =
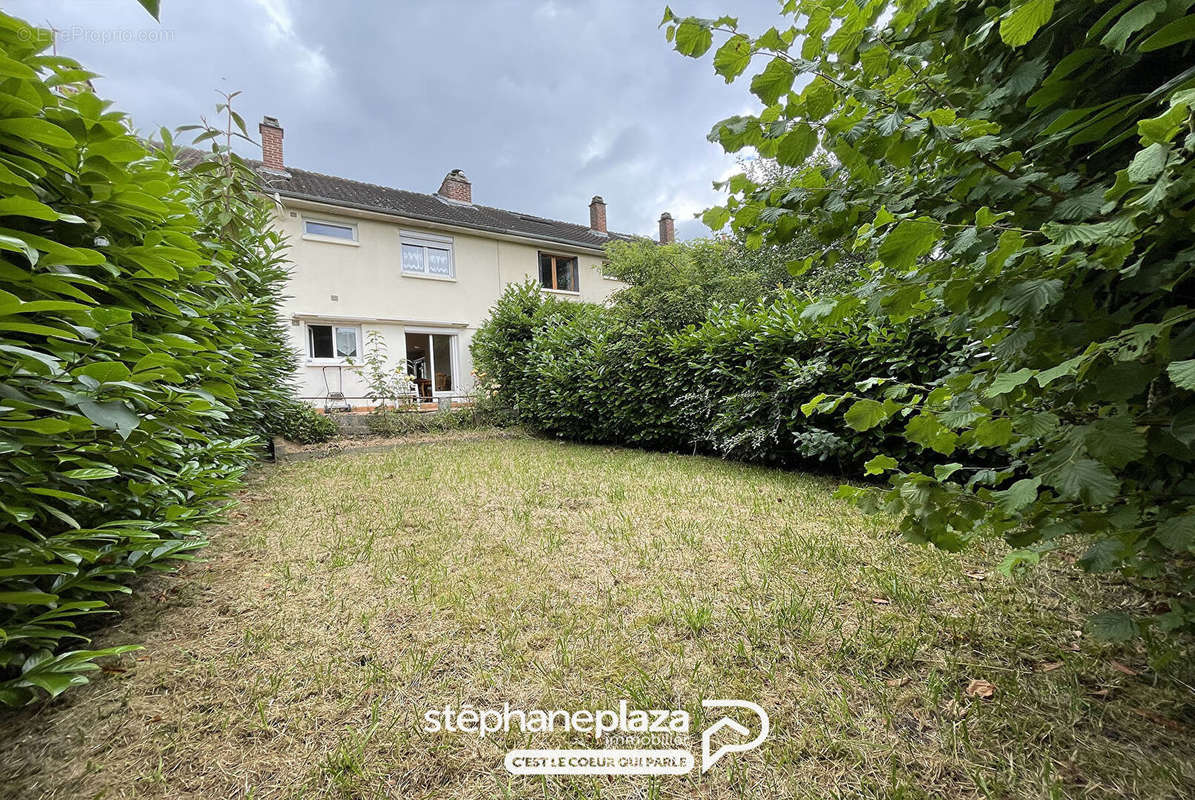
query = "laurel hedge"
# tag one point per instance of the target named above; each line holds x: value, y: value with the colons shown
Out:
x: 139, y: 350
x: 732, y: 386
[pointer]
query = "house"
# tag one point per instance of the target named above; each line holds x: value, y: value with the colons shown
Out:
x: 421, y: 269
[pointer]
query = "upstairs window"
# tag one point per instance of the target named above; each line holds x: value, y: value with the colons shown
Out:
x: 427, y: 256
x: 333, y: 341
x: 558, y: 273
x: 329, y: 230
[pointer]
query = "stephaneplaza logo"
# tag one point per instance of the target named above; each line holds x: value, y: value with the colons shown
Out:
x: 601, y: 724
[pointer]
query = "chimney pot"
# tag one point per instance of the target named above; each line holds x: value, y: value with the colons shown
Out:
x: 597, y: 214
x: 271, y: 143
x: 667, y: 229
x: 456, y: 187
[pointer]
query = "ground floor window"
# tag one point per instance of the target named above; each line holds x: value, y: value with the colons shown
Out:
x: 431, y: 362
x: 558, y: 272
x: 333, y: 341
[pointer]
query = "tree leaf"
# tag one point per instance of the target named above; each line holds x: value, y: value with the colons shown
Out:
x: 24, y: 207
x: 716, y: 218
x: 115, y: 416
x: 1017, y: 496
x: 880, y: 464
x: 693, y: 37
x: 1020, y: 26
x: 104, y: 371
x: 774, y: 82
x: 1103, y: 556
x: 27, y: 598
x: 797, y: 145
x: 994, y: 432
x: 91, y: 473
x: 1088, y: 480
x: 1148, y: 163
x: 927, y: 430
x: 1176, y: 32
x: 1030, y: 297
x: 865, y: 414
x: 37, y: 130
x: 1133, y: 20
x: 1114, y: 441
x: 152, y: 6
x: 733, y: 57
x: 1178, y: 533
x: 1182, y: 373
x: 908, y: 241
x: 1113, y: 626
x: 1006, y: 382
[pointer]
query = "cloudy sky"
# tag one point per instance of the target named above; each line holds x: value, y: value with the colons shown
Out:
x: 543, y: 103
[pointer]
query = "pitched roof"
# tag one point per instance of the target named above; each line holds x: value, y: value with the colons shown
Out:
x: 303, y: 185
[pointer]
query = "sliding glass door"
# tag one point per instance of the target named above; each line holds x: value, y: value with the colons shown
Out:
x: 431, y: 361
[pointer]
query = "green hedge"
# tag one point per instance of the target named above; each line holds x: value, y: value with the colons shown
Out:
x: 138, y: 353
x: 389, y: 422
x: 299, y: 422
x: 732, y: 386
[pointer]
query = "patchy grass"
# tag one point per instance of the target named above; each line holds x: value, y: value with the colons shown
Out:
x: 351, y: 594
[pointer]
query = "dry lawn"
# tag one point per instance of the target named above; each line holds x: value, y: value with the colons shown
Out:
x: 348, y: 595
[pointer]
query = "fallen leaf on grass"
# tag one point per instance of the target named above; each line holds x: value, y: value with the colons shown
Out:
x: 1116, y: 665
x: 979, y: 576
x: 980, y: 689
x: 1100, y: 693
x: 879, y: 601
x: 898, y: 681
x: 1049, y: 666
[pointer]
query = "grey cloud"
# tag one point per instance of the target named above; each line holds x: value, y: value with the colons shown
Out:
x: 543, y: 103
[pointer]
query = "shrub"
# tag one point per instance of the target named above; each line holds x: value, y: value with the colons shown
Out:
x: 391, y: 422
x: 299, y: 422
x: 732, y: 386
x: 137, y: 357
x: 1022, y: 173
x: 500, y: 346
x: 387, y: 382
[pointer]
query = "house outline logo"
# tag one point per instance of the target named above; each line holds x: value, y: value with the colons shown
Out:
x: 707, y: 759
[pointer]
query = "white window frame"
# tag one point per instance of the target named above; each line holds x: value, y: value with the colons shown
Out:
x: 335, y: 326
x: 319, y: 237
x: 455, y: 355
x: 426, y: 240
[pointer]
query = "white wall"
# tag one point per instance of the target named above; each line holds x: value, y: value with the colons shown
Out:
x: 362, y: 284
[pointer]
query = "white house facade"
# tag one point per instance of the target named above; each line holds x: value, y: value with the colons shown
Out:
x: 423, y: 270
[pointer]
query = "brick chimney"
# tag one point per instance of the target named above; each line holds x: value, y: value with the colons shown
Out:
x: 271, y: 143
x: 667, y: 229
x: 456, y: 187
x: 597, y: 214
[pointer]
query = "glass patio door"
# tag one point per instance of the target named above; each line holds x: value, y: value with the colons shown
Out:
x: 431, y: 361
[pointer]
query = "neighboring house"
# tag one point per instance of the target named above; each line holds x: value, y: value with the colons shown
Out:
x: 422, y: 269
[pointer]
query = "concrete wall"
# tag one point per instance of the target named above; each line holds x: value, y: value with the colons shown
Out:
x: 361, y: 284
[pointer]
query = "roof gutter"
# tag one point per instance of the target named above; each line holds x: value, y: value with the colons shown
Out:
x: 501, y: 233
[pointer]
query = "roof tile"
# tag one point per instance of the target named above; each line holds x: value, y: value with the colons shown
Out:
x: 304, y: 185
